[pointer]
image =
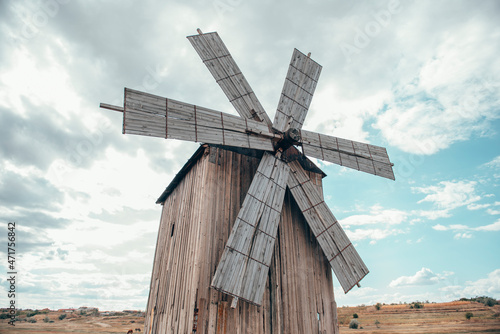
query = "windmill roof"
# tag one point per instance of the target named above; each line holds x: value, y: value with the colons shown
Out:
x: 292, y: 155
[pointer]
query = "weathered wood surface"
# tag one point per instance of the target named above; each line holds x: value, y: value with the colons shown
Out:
x: 196, y: 222
x: 243, y: 269
x: 300, y: 83
x: 338, y: 249
x: 152, y: 115
x: 348, y: 153
x: 227, y: 74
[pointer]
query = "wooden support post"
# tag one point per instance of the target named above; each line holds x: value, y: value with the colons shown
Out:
x: 234, y: 302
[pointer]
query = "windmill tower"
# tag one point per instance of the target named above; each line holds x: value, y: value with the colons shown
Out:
x: 245, y: 218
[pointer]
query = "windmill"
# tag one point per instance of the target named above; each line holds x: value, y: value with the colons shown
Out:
x: 242, y: 270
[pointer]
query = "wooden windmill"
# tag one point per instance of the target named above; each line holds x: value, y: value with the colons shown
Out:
x: 210, y: 197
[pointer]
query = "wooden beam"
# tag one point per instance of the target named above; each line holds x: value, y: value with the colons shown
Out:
x: 111, y: 107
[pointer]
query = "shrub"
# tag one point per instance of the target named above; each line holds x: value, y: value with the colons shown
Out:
x: 355, y: 315
x: 377, y: 323
x: 378, y: 306
x: 468, y: 315
x: 30, y: 314
x: 488, y: 301
x: 416, y: 305
x: 354, y: 324
x: 62, y: 316
x: 46, y: 319
x: 31, y: 321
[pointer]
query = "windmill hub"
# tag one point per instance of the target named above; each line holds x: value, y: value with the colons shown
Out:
x: 292, y: 136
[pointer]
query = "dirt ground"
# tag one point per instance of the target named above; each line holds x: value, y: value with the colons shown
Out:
x: 392, y: 319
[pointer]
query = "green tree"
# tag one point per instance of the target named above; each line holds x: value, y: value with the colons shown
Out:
x: 468, y: 315
x: 355, y: 315
x: 62, y: 316
x: 378, y: 306
x: 377, y: 323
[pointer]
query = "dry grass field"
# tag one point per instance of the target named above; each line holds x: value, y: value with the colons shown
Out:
x: 392, y: 319
x: 431, y: 318
x: 75, y: 324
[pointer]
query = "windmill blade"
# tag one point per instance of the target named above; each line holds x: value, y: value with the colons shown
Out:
x: 338, y: 249
x: 152, y: 115
x: 360, y: 156
x: 298, y: 90
x: 242, y: 270
x: 227, y: 74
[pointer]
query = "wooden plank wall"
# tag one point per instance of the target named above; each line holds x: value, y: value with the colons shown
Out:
x: 196, y: 221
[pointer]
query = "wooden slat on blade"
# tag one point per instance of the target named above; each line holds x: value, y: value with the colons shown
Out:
x: 345, y: 261
x: 253, y: 235
x: 297, y: 93
x: 145, y: 114
x: 348, y: 153
x: 223, y: 68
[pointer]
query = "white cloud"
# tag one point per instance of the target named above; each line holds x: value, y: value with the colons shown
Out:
x: 493, y: 212
x: 435, y: 105
x: 433, y: 214
x: 491, y: 227
x: 495, y: 163
x: 449, y: 195
x: 460, y: 227
x: 377, y: 215
x: 372, y: 234
x: 424, y: 276
x: 385, y: 219
x: 489, y: 286
x: 464, y: 235
x: 474, y: 206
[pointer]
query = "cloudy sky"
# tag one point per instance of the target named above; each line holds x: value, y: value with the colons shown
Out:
x: 420, y: 78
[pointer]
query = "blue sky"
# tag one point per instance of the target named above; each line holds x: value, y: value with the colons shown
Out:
x: 420, y: 78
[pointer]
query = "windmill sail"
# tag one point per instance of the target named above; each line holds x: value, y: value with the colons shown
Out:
x: 338, y: 249
x: 300, y: 83
x: 227, y: 74
x: 152, y: 115
x: 245, y: 262
x: 360, y: 156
